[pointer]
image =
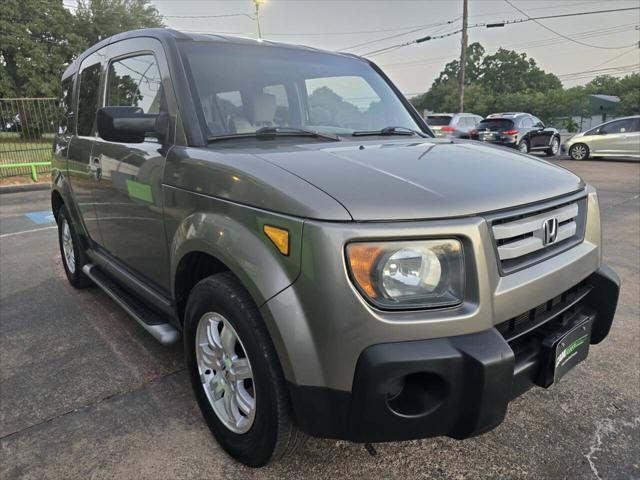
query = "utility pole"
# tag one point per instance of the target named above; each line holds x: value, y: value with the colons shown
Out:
x: 258, y: 3
x: 463, y: 55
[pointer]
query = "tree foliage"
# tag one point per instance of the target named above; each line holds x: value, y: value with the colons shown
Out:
x: 99, y: 19
x: 39, y: 38
x: 510, y: 81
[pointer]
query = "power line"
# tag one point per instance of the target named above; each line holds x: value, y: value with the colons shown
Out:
x: 502, y: 24
x: 535, y: 20
x: 211, y: 16
x: 616, y: 57
x: 417, y: 29
x: 600, y: 32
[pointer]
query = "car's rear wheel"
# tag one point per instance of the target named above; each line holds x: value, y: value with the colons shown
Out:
x: 554, y: 148
x: 235, y: 373
x: 71, y: 251
x: 579, y: 151
x: 523, y: 146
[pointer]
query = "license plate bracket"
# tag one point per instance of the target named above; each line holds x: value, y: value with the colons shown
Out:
x: 562, y: 350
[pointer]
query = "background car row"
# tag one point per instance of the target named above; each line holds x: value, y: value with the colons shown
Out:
x: 527, y: 133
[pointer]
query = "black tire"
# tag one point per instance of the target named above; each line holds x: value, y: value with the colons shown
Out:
x: 273, y: 433
x: 579, y: 151
x: 555, y: 145
x: 523, y: 146
x: 74, y: 272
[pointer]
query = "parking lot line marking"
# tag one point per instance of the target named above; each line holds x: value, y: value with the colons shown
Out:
x: 26, y: 231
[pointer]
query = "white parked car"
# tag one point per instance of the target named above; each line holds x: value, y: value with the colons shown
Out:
x: 616, y: 138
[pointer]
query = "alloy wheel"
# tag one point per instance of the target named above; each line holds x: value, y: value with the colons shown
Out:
x: 523, y: 147
x: 555, y: 146
x: 67, y: 247
x: 578, y: 152
x: 225, y: 372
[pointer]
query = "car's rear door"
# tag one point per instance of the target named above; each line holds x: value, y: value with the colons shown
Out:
x: 83, y: 173
x: 612, y: 138
x: 129, y: 194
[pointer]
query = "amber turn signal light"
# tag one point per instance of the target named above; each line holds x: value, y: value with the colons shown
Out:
x: 279, y: 237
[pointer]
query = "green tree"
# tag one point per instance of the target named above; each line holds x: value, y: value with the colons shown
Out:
x: 99, y: 19
x: 37, y: 42
x: 507, y: 71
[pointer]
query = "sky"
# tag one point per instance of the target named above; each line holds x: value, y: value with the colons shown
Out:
x: 343, y: 24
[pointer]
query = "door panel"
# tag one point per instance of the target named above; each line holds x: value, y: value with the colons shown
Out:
x: 83, y: 174
x: 129, y: 193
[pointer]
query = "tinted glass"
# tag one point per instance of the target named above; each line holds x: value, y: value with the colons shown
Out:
x: 65, y: 104
x: 88, y: 99
x: 635, y: 126
x: 135, y: 82
x: 526, y: 122
x: 621, y: 126
x: 495, y: 124
x: 438, y: 120
x: 289, y: 87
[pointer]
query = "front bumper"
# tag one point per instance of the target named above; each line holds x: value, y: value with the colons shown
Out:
x: 457, y: 386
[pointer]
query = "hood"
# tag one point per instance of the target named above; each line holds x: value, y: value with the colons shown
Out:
x: 410, y: 180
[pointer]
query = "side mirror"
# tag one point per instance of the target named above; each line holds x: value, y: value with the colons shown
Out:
x: 602, y: 132
x: 539, y: 125
x: 128, y: 124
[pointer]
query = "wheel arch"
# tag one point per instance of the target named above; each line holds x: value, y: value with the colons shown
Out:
x: 206, y: 243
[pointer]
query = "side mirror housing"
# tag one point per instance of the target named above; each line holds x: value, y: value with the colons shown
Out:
x: 127, y: 124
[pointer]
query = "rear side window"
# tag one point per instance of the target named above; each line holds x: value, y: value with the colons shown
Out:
x: 621, y: 126
x: 88, y: 99
x: 527, y: 122
x: 438, y: 121
x: 135, y: 82
x: 495, y: 124
x: 65, y: 104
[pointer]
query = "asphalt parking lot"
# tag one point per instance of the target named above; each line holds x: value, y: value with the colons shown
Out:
x: 86, y: 393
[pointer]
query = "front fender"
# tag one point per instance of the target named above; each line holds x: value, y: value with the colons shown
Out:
x: 233, y: 234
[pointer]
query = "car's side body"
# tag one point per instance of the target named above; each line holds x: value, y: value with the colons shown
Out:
x: 457, y: 125
x: 516, y: 129
x: 616, y: 138
x: 159, y: 215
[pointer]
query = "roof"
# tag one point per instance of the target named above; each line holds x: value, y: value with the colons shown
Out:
x: 507, y: 115
x: 168, y: 35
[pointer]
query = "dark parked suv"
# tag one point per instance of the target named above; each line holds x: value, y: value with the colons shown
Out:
x: 331, y: 267
x: 518, y: 130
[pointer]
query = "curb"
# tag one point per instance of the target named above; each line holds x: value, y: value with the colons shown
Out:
x: 28, y: 187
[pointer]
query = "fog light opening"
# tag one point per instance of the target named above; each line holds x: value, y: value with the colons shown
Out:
x: 417, y: 394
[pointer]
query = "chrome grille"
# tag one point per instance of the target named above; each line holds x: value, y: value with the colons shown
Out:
x: 520, y: 236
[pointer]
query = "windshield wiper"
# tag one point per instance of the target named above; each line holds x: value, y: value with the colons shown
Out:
x: 265, y: 133
x: 389, y: 131
x: 268, y: 132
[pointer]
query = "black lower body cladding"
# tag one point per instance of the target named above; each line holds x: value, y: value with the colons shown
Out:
x: 457, y: 386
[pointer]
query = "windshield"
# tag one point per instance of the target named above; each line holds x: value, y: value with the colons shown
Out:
x: 495, y: 124
x: 438, y: 121
x: 240, y: 89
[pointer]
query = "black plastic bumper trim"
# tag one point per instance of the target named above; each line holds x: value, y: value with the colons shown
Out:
x: 457, y: 386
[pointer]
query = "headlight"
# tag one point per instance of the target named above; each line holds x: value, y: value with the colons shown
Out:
x: 416, y: 274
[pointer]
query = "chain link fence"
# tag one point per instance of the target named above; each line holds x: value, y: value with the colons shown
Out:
x: 27, y: 129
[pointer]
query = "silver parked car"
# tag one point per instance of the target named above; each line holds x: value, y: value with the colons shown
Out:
x: 453, y: 124
x: 617, y: 138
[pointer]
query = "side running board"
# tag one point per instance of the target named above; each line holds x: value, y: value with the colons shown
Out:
x: 151, y: 321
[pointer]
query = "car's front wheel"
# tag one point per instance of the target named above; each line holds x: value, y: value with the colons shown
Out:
x: 235, y: 373
x: 579, y: 151
x: 553, y: 150
x: 523, y: 146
